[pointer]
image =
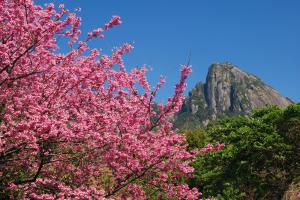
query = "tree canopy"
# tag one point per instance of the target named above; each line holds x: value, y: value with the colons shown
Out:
x: 260, y: 158
x: 78, y: 125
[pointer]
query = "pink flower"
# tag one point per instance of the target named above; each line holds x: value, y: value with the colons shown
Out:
x: 75, y: 118
x: 96, y: 33
x: 209, y: 148
x: 219, y: 147
x: 116, y: 20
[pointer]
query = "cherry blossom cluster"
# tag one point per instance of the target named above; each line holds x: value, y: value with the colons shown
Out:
x: 72, y: 125
x: 210, y: 148
x: 116, y: 20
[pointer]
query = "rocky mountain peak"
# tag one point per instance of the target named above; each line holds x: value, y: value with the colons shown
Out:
x: 228, y: 91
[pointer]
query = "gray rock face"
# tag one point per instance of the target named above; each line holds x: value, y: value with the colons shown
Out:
x: 228, y: 91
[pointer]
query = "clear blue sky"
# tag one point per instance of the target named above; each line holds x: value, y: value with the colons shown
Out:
x: 260, y: 36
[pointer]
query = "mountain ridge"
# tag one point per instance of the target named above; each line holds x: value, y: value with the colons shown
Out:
x: 227, y: 91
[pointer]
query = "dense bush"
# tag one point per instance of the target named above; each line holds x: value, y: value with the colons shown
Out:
x: 196, y: 138
x: 260, y: 159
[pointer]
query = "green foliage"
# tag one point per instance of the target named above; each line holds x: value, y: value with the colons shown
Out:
x: 289, y: 127
x: 230, y: 192
x: 196, y: 138
x: 260, y: 159
x: 186, y: 121
x: 270, y: 114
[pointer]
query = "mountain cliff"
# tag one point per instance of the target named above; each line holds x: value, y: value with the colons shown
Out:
x: 228, y: 91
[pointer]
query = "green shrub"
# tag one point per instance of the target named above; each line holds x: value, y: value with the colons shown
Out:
x: 260, y: 159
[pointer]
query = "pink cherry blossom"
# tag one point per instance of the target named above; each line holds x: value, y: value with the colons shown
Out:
x: 209, y: 148
x: 72, y: 125
x: 116, y: 20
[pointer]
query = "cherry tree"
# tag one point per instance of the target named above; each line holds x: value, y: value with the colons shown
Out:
x: 75, y: 125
